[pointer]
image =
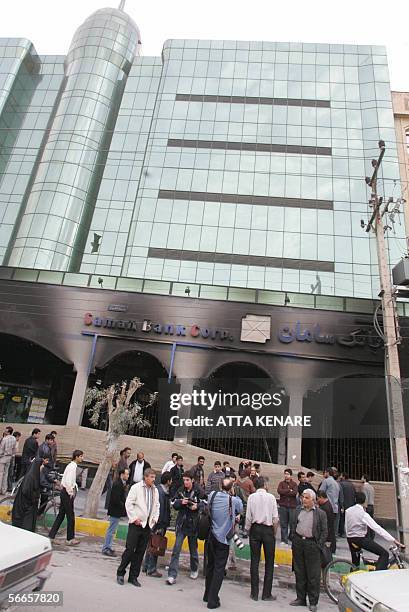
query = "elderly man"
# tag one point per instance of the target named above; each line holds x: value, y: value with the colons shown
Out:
x: 142, y: 508
x: 309, y: 538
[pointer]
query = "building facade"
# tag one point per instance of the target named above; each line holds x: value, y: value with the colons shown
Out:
x: 400, y: 100
x: 218, y: 188
x: 223, y: 162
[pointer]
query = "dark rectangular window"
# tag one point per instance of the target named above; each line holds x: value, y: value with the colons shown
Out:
x: 204, y: 196
x: 249, y: 146
x: 243, y: 260
x: 254, y: 100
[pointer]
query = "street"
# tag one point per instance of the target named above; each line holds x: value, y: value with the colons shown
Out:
x: 87, y: 580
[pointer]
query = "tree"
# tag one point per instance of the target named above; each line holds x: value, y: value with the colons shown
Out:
x: 120, y: 412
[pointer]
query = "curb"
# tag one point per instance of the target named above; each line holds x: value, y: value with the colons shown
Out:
x: 98, y: 527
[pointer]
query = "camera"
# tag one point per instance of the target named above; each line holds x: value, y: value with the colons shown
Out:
x: 238, y: 542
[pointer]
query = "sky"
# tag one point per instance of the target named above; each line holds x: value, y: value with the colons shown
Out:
x: 50, y: 24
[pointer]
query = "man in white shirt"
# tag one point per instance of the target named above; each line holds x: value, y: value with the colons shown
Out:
x: 7, y: 452
x: 142, y: 507
x: 137, y: 468
x: 170, y: 464
x: 261, y: 522
x: 68, y: 492
x: 357, y: 522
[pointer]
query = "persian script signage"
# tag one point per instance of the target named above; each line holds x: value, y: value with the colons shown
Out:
x: 355, y: 338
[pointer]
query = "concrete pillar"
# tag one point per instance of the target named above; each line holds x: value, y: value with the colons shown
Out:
x: 188, y: 367
x: 294, y: 436
x: 182, y: 433
x: 281, y: 456
x: 77, y: 401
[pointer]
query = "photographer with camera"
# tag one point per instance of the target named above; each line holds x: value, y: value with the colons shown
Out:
x: 235, y: 541
x: 262, y: 522
x: 188, y: 502
x: 225, y: 509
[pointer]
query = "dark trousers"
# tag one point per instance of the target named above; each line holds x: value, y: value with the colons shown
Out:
x: 371, y: 511
x: 217, y: 555
x: 341, y: 528
x: 368, y: 544
x: 136, y: 543
x: 307, y: 568
x: 262, y: 535
x: 10, y: 476
x: 66, y: 510
x: 287, y: 523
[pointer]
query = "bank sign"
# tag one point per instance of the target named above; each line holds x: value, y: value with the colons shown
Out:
x: 254, y: 328
x: 161, y: 329
x: 257, y: 328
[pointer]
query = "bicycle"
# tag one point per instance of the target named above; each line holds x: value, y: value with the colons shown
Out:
x: 48, y: 510
x: 338, y: 571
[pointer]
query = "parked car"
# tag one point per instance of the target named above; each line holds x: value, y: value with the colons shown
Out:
x: 383, y: 591
x: 24, y: 559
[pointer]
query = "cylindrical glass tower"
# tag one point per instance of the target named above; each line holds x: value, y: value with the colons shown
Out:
x: 55, y: 219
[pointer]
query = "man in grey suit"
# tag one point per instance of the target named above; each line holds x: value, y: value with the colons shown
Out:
x: 309, y: 538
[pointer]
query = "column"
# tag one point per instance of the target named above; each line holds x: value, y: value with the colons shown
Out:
x: 78, y: 395
x: 188, y: 368
x: 294, y: 435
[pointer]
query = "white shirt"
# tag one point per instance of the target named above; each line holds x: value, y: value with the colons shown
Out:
x: 261, y: 509
x: 357, y: 522
x: 138, y: 473
x: 369, y: 493
x: 69, y: 478
x: 168, y: 466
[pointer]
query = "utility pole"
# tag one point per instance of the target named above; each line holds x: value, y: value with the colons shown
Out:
x: 396, y: 418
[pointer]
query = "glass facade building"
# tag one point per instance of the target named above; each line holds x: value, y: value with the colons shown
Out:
x: 225, y: 163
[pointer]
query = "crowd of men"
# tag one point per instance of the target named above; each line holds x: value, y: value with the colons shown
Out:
x: 311, y: 518
x: 237, y: 505
x: 13, y: 465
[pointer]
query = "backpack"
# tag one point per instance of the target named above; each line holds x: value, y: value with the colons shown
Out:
x: 204, y: 524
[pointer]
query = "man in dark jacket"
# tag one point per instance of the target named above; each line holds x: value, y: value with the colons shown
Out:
x: 324, y: 503
x: 187, y: 502
x: 137, y: 468
x: 309, y: 538
x: 348, y: 490
x: 198, y: 472
x: 163, y: 523
x: 177, y: 476
x: 45, y: 449
x: 214, y: 480
x: 116, y: 510
x: 30, y: 449
x: 287, y: 490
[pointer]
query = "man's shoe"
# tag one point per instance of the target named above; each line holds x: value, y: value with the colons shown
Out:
x: 194, y: 575
x: 298, y: 602
x: 109, y: 552
x: 214, y: 606
x: 73, y: 542
x: 135, y: 582
x: 120, y: 580
x: 171, y: 580
x: 154, y: 574
x: 269, y: 597
x: 206, y: 599
x: 312, y: 608
x: 254, y: 597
